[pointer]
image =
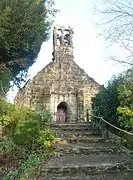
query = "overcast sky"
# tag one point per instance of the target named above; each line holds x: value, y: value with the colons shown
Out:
x: 89, y: 50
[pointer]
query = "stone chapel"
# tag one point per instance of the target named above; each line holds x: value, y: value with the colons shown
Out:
x: 62, y: 87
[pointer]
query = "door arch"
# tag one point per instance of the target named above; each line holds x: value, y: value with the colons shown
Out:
x: 62, y: 113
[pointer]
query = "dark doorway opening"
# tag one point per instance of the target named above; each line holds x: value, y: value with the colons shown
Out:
x: 62, y: 113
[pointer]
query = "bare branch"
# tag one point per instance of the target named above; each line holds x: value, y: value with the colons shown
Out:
x: 117, y: 26
x: 127, y: 48
x: 121, y: 61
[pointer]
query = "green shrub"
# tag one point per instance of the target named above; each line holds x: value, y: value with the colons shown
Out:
x: 46, y: 138
x: 125, y: 117
x: 27, y: 170
x: 106, y: 101
x: 12, y: 155
x: 5, y: 78
x: 7, y: 146
x: 125, y: 110
x: 13, y: 117
x: 6, y: 113
x: 115, y: 104
x: 45, y: 116
x: 26, y: 131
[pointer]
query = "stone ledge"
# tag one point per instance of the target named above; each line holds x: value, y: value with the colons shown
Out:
x: 71, y: 125
x: 82, y: 150
x: 73, y: 134
x: 106, y: 176
x: 87, y: 169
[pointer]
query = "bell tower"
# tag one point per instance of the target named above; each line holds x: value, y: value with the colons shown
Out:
x: 62, y: 40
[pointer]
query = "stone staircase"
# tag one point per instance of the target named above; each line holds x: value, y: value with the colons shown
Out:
x: 83, y: 154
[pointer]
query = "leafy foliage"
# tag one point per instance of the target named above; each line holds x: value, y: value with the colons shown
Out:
x: 46, y: 137
x: 126, y: 118
x: 12, y: 116
x: 46, y: 117
x: 106, y: 102
x: 5, y: 77
x: 125, y: 109
x: 26, y: 131
x: 26, y: 138
x: 24, y: 25
x: 26, y: 169
x: 115, y: 104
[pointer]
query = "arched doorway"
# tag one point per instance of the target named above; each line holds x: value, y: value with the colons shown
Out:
x: 62, y: 111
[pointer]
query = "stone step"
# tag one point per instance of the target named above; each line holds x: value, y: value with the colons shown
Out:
x: 106, y: 176
x: 83, y: 154
x: 75, y: 127
x: 86, y: 165
x: 84, y: 140
x: 85, y: 150
x: 73, y: 133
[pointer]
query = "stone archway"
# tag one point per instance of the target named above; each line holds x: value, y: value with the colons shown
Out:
x: 62, y: 113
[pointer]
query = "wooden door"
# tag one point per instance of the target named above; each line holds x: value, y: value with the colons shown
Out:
x: 61, y: 115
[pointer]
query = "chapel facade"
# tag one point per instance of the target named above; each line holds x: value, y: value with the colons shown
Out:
x: 62, y: 87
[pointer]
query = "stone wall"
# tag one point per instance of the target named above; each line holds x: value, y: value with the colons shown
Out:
x: 61, y: 81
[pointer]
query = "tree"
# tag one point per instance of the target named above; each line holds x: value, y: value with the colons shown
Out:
x: 106, y: 102
x: 115, y: 102
x: 117, y: 23
x: 24, y: 25
x: 125, y: 108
